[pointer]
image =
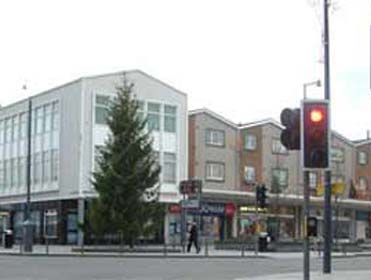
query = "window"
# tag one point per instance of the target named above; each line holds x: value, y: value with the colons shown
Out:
x: 14, y: 173
x: 55, y: 165
x: 140, y: 104
x: 37, y: 168
x: 55, y: 115
x: 15, y: 130
x: 153, y: 116
x: 362, y: 184
x: 7, y: 174
x: 22, y: 171
x: 169, y: 172
x: 249, y: 174
x: 312, y: 180
x: 277, y: 147
x: 39, y: 118
x: 23, y: 125
x: 337, y: 154
x: 2, y: 183
x: 101, y: 109
x: 215, y: 137
x: 46, y: 167
x: 170, y: 118
x: 250, y: 142
x: 47, y: 117
x: 97, y: 154
x: 215, y: 171
x: 8, y: 130
x: 51, y: 223
x: 362, y: 158
x: 1, y: 132
x: 280, y: 177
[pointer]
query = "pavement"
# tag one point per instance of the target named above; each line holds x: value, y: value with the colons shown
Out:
x: 338, y: 275
x: 59, y: 250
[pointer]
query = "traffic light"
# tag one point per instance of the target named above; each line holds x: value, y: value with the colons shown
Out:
x: 290, y: 136
x: 315, y: 134
x: 261, y: 196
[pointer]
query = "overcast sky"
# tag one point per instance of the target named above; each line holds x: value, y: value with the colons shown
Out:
x: 245, y: 60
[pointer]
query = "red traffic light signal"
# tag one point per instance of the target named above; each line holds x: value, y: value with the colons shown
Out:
x: 315, y: 134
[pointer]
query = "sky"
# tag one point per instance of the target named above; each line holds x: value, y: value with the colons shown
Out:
x: 243, y: 59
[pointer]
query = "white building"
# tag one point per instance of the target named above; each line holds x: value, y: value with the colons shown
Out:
x: 68, y: 126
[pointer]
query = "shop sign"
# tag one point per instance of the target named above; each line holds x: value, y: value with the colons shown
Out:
x: 252, y: 209
x: 213, y: 209
x: 190, y: 203
x: 230, y: 208
x: 174, y: 209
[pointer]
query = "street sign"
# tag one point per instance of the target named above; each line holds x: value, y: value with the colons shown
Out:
x: 191, y: 204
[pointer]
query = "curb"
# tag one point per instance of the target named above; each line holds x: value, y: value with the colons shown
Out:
x: 149, y: 256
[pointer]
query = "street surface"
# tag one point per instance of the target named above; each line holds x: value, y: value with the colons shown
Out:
x: 106, y: 268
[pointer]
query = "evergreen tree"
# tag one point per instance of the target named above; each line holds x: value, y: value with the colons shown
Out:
x: 127, y: 175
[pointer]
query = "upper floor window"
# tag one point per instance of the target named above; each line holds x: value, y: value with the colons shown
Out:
x: 153, y: 116
x: 277, y: 147
x: 279, y: 178
x: 362, y: 158
x: 170, y: 118
x: 101, y: 109
x: 250, y: 142
x: 55, y: 115
x: 363, y: 184
x: 337, y: 154
x: 39, y: 112
x: 313, y: 180
x: 215, y: 171
x: 140, y: 111
x: 8, y: 130
x: 1, y: 132
x: 23, y: 125
x: 249, y: 174
x: 215, y: 137
x: 169, y: 170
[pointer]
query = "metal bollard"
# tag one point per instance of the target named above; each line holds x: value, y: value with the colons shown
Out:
x: 243, y: 250
x: 206, y: 248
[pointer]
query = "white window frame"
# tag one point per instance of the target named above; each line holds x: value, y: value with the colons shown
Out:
x: 211, y: 170
x: 249, y: 174
x: 213, y: 137
x: 250, y: 142
x: 362, y: 158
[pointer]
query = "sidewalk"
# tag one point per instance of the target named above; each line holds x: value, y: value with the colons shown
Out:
x: 338, y: 275
x: 59, y: 250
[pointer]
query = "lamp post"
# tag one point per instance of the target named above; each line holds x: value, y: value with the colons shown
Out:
x: 306, y: 193
x: 27, y: 224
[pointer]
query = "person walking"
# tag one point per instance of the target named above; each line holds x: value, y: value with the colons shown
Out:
x: 193, y: 238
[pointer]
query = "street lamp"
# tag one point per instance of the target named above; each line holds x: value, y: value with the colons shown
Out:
x: 305, y: 85
x: 27, y: 224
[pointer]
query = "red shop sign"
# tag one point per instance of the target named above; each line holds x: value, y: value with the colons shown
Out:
x: 174, y: 209
x: 230, y: 208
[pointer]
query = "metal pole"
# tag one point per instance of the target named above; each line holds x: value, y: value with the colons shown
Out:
x: 183, y: 224
x: 306, y: 237
x: 327, y: 199
x: 27, y: 226
x: 256, y: 221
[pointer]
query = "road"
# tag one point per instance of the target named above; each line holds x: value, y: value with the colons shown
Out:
x: 71, y: 268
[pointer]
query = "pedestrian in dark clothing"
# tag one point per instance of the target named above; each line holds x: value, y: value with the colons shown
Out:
x: 193, y: 238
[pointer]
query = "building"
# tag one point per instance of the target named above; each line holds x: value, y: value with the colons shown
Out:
x: 232, y: 160
x: 68, y: 127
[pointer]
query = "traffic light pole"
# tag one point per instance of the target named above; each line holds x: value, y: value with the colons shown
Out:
x: 327, y: 198
x: 306, y: 263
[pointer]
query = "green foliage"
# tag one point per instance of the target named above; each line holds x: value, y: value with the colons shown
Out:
x: 127, y: 172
